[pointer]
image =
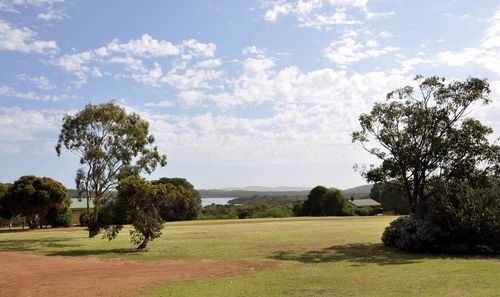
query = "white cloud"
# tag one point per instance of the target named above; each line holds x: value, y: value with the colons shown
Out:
x: 312, y: 112
x: 139, y: 58
x: 23, y: 40
x: 321, y: 14
x: 349, y: 49
x: 485, y: 55
x: 18, y: 126
x: 42, y: 82
x: 408, y: 64
x: 163, y: 103
x: 52, y: 15
x: 253, y: 50
x: 145, y: 46
x: 50, y: 9
x: 210, y: 63
x: 12, y: 93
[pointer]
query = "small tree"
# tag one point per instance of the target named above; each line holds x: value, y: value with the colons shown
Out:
x: 181, y: 202
x: 334, y: 204
x: 326, y: 202
x: 111, y: 144
x: 313, y: 204
x: 139, y: 199
x: 36, y: 199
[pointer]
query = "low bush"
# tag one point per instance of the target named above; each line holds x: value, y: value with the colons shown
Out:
x: 84, y: 219
x: 63, y: 220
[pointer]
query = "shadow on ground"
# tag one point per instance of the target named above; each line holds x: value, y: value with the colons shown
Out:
x: 53, y: 246
x: 361, y: 253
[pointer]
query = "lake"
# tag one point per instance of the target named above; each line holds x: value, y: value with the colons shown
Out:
x: 220, y: 201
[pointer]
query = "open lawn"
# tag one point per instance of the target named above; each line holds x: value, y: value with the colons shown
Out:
x: 328, y: 256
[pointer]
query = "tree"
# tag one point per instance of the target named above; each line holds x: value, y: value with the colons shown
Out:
x: 312, y: 205
x: 111, y: 144
x: 181, y: 202
x: 35, y: 198
x: 334, y: 204
x: 326, y: 202
x: 442, y: 162
x: 139, y: 200
x: 391, y: 197
x: 423, y: 133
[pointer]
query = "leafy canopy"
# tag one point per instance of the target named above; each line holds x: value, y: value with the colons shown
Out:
x: 111, y: 144
x: 424, y: 132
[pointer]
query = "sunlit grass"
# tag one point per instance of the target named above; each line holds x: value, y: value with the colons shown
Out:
x: 329, y: 256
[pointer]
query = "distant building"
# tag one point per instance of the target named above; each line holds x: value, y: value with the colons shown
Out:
x: 79, y: 206
x: 365, y: 203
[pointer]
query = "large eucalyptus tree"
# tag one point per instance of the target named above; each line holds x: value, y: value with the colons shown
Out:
x: 111, y: 144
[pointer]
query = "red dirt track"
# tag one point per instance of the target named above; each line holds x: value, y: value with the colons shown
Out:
x: 23, y: 274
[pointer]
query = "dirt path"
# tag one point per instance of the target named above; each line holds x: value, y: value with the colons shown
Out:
x: 23, y: 274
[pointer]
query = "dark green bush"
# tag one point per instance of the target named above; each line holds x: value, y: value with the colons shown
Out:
x: 363, y: 211
x: 413, y: 235
x: 84, y: 219
x: 273, y: 212
x: 63, y: 220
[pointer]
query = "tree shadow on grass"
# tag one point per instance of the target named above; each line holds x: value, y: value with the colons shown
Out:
x: 26, y: 245
x: 58, y: 247
x: 94, y: 252
x: 360, y: 253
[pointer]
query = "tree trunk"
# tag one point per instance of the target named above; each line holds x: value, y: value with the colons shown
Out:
x: 143, y: 244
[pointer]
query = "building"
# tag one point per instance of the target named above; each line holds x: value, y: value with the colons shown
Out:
x: 365, y: 202
x: 79, y: 206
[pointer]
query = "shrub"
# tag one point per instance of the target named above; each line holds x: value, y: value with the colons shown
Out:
x: 63, y: 220
x: 84, y: 219
x: 420, y: 236
x: 273, y: 212
x: 363, y: 211
x: 412, y: 235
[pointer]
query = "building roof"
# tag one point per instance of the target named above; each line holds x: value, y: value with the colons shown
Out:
x: 365, y: 202
x: 78, y: 203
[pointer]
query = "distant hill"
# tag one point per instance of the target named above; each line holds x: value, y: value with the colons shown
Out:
x: 268, y: 189
x: 245, y: 192
x: 358, y: 192
x: 215, y: 193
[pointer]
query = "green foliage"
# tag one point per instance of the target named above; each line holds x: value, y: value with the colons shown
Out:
x: 181, y: 201
x: 442, y: 161
x: 268, y: 199
x: 59, y: 219
x: 248, y: 211
x: 391, y: 197
x: 218, y: 212
x: 420, y: 137
x: 84, y: 219
x: 325, y: 202
x: 363, y: 211
x: 140, y: 199
x: 413, y: 235
x: 40, y: 200
x: 107, y: 140
x: 470, y: 215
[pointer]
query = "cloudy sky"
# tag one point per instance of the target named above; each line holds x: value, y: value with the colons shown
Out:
x: 237, y: 93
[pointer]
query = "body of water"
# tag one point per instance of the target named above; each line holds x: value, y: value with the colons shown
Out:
x: 210, y: 201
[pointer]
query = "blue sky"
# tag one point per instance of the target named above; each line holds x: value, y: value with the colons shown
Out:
x: 236, y: 92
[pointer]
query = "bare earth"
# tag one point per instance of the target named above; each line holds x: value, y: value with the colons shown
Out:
x: 23, y: 274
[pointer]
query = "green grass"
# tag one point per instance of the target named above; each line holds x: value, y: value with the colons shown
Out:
x: 315, y: 257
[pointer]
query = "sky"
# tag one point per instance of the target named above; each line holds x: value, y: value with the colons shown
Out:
x: 237, y: 93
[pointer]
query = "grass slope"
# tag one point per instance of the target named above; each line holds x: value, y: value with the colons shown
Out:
x: 316, y: 257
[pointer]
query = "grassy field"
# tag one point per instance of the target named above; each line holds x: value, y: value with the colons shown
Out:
x: 314, y: 257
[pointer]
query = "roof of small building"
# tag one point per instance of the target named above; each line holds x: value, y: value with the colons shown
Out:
x: 78, y: 203
x: 365, y: 202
